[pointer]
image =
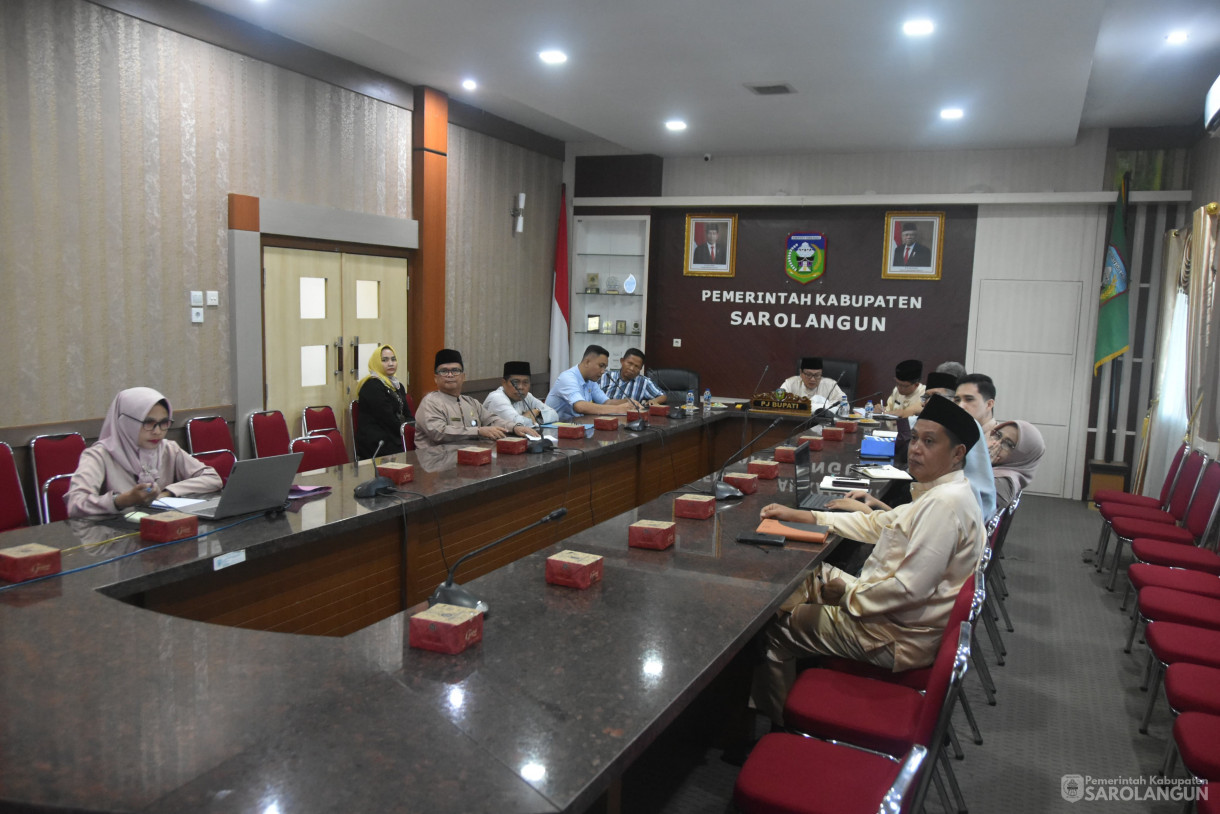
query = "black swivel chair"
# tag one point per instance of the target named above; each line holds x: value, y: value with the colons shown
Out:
x: 833, y: 368
x: 675, y: 381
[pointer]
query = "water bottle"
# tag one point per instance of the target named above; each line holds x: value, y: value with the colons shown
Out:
x: 844, y: 407
x: 868, y: 410
x: 707, y: 401
x: 690, y: 402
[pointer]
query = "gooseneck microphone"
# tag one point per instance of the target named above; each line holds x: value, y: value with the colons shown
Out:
x: 726, y: 491
x: 378, y: 485
x: 450, y: 594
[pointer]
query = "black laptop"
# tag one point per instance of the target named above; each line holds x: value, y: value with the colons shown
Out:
x: 806, y: 497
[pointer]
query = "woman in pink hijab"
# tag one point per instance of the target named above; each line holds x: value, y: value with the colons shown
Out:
x: 132, y: 463
x: 1016, y: 447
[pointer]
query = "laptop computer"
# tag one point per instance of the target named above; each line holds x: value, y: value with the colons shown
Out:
x: 255, y: 485
x: 806, y: 498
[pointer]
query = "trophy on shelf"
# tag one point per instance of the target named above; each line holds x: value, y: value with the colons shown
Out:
x: 592, y: 284
x: 608, y: 327
x: 635, y: 329
x: 612, y: 285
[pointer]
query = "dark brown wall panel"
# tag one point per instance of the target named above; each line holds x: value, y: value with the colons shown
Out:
x: 730, y: 358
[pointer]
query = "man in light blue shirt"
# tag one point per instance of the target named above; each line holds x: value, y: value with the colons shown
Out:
x: 576, y: 391
x: 630, y: 383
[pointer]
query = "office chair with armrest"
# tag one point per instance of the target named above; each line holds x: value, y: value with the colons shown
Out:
x: 53, y: 505
x: 13, y: 511
x: 208, y: 433
x: 269, y: 434
x: 316, y: 419
x: 336, y: 440
x: 675, y: 382
x: 407, y: 432
x: 52, y: 455
x: 850, y: 371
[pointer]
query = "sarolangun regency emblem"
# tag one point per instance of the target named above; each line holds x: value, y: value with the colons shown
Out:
x: 805, y: 260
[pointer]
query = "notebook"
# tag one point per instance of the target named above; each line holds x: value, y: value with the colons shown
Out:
x: 806, y: 498
x: 255, y: 485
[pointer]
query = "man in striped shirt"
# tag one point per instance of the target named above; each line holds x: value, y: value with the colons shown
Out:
x: 629, y: 383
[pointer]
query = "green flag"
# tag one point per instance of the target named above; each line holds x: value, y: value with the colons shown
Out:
x: 1112, y: 318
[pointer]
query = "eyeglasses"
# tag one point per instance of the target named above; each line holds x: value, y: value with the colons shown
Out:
x: 151, y: 424
x: 810, y: 375
x: 1005, y: 442
x: 449, y: 372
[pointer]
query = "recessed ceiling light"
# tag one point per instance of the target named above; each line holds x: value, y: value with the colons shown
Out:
x: 469, y: 84
x: 675, y: 125
x: 553, y: 57
x: 917, y: 28
x: 1178, y: 37
x: 951, y: 113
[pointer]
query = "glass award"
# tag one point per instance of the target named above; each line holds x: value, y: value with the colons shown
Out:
x: 612, y: 285
x: 629, y: 284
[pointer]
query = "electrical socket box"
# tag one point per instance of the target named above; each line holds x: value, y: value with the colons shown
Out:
x: 677, y: 343
x: 197, y: 314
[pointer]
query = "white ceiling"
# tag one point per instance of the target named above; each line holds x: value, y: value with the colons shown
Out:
x: 1027, y: 73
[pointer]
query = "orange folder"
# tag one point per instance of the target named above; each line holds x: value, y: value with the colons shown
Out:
x: 797, y: 532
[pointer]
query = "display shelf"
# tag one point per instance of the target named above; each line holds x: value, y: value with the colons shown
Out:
x: 608, y: 246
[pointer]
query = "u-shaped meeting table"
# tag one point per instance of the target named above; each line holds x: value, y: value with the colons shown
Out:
x: 265, y: 667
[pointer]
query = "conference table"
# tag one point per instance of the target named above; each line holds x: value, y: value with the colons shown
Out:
x: 265, y: 666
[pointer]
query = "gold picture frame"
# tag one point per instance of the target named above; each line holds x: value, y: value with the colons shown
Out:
x: 702, y: 260
x: 593, y: 323
x: 921, y: 260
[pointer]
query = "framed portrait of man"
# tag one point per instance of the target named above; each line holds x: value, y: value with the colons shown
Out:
x: 913, y: 245
x: 711, y: 245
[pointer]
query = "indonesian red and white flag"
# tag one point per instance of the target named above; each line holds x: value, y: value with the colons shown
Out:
x: 560, y: 298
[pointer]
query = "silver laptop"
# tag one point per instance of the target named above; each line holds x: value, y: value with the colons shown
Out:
x: 255, y: 485
x: 806, y: 498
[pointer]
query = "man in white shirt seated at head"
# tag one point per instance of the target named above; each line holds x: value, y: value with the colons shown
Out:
x: 906, y: 400
x: 810, y: 383
x: 512, y: 400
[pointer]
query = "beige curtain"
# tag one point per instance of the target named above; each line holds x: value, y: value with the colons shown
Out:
x: 1204, y: 362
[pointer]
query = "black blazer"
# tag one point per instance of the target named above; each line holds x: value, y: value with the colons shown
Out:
x: 381, y: 414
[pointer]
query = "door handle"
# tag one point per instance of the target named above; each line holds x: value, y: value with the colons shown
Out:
x: 339, y: 356
x: 355, y: 351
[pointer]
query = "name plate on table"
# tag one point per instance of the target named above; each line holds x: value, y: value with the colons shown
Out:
x: 780, y: 403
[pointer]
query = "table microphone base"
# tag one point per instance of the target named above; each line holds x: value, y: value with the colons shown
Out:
x: 727, y: 491
x: 449, y: 593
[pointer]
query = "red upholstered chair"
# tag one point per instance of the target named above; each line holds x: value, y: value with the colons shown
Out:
x: 1197, y: 735
x: 1179, y: 497
x: 411, y: 405
x: 339, y: 449
x: 1167, y: 605
x: 884, y: 716
x: 221, y: 460
x: 787, y: 773
x: 1200, y: 521
x: 52, y: 455
x: 315, y: 419
x: 269, y: 434
x: 207, y: 433
x: 407, y: 433
x: 1172, y: 643
x: 13, y: 511
x: 1202, y: 501
x: 51, y: 504
x: 1117, y: 496
x: 318, y: 452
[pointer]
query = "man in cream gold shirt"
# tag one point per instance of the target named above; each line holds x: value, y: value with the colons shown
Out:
x: 894, y: 613
x: 906, y: 400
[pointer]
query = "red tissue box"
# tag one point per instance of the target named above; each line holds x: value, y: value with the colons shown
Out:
x: 446, y: 628
x: 574, y: 569
x: 767, y: 470
x: 636, y: 415
x: 610, y: 423
x: 167, y: 526
x: 785, y: 455
x: 814, y: 441
x: 474, y: 456
x: 655, y: 534
x: 23, y: 562
x: 846, y: 426
x: 570, y: 430
x: 747, y: 483
x: 658, y: 409
x: 512, y: 445
x: 399, y: 473
x: 832, y: 433
x: 696, y: 507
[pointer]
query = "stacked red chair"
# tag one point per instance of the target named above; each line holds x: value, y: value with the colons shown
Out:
x: 321, y: 421
x: 13, y: 511
x: 54, y: 459
x: 269, y: 434
x: 317, y: 452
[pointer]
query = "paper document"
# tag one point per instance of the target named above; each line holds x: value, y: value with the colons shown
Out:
x: 885, y: 472
x: 175, y: 502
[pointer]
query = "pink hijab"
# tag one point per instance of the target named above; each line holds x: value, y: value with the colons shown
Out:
x: 1022, y: 461
x: 121, y: 436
